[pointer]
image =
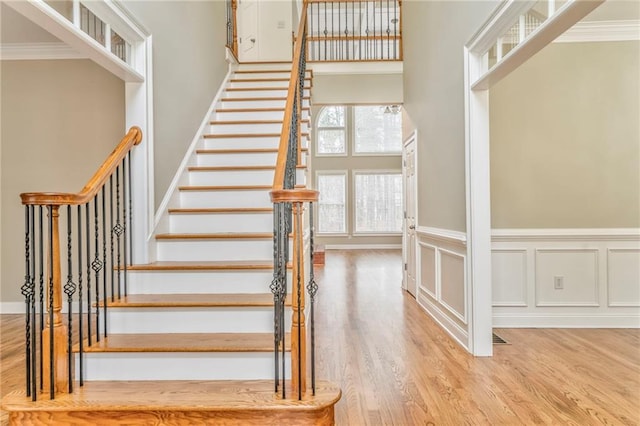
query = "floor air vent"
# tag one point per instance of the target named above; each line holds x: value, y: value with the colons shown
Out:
x: 497, y: 340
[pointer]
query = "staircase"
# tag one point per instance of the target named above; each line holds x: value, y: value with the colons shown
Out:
x: 193, y: 340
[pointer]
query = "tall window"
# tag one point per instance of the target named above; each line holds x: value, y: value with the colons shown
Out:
x: 331, y: 132
x: 378, y: 129
x: 378, y: 198
x: 332, y: 212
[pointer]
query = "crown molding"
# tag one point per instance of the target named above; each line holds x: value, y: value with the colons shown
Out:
x: 37, y: 51
x: 627, y: 30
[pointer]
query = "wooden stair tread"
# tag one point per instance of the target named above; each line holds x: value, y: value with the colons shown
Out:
x: 267, y: 71
x: 241, y: 151
x: 242, y: 210
x: 258, y: 89
x: 218, y: 236
x: 260, y: 80
x: 246, y: 135
x: 193, y: 300
x: 202, y: 266
x: 234, y: 168
x: 270, y: 98
x: 243, y: 122
x: 185, y: 342
x: 175, y: 396
x: 229, y: 187
x: 272, y: 109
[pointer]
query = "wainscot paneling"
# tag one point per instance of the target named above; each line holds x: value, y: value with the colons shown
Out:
x: 443, y: 291
x: 566, y: 277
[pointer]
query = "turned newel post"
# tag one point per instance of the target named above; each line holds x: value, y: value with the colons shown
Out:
x: 55, y: 367
x: 234, y: 8
x: 298, y: 323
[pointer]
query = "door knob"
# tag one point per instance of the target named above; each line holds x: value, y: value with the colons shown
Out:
x: 412, y: 227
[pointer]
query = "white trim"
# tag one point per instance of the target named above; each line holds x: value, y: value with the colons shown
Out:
x: 462, y: 316
x: 610, y: 251
x: 523, y: 279
x: 382, y: 67
x: 566, y: 234
x: 446, y: 235
x: 362, y: 246
x: 38, y: 51
x: 50, y: 20
x: 544, y: 320
x: 12, y: 308
x: 452, y: 328
x: 597, y: 31
x: 161, y: 212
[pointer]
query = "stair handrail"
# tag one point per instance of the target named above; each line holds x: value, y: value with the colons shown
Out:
x: 131, y: 139
x: 288, y: 207
x: 48, y: 341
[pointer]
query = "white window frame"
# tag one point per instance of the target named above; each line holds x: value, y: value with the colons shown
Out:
x: 346, y: 204
x: 355, y: 232
x: 352, y: 126
x: 345, y: 129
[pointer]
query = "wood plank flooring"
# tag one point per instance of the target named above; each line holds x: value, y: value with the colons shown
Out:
x: 397, y: 367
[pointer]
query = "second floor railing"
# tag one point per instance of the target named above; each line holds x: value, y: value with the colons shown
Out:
x: 84, y: 276
x: 354, y: 30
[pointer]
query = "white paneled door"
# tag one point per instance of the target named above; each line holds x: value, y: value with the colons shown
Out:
x: 409, y: 234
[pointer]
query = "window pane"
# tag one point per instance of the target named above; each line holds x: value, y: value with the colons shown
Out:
x: 331, y: 204
x: 377, y: 130
x: 331, y: 116
x: 331, y: 142
x: 378, y: 202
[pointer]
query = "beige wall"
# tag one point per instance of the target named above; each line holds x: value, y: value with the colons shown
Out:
x: 434, y: 35
x: 60, y: 120
x: 188, y: 68
x: 565, y: 139
x: 337, y: 89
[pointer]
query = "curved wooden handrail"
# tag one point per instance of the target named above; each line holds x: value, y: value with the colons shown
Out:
x: 300, y: 195
x: 132, y: 138
x: 278, y: 179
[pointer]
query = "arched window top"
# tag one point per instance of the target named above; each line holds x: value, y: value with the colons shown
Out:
x: 332, y: 116
x: 331, y: 133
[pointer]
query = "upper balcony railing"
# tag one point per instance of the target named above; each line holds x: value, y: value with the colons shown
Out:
x: 354, y: 30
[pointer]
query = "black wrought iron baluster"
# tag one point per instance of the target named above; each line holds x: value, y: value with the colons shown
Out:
x: 388, y: 32
x: 325, y: 32
x: 284, y: 244
x: 312, y: 289
x: 346, y: 30
x: 96, y: 265
x: 104, y: 261
x: 69, y: 290
x: 118, y: 231
x: 41, y: 289
x: 26, y: 292
x: 360, y: 30
x: 111, y: 232
x: 130, y: 224
x: 32, y: 299
x: 395, y: 29
x: 333, y: 42
x: 124, y: 225
x: 299, y: 286
x: 50, y: 303
x: 367, y: 32
x: 80, y: 301
x: 88, y: 260
x: 353, y: 30
x: 275, y: 290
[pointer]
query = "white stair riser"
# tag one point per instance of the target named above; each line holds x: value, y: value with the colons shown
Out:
x: 230, y: 129
x: 280, y: 103
x: 235, y: 159
x: 224, y: 199
x: 190, y: 282
x: 180, y: 366
x: 271, y: 142
x: 251, y: 84
x: 237, y: 177
x: 192, y: 320
x: 240, y: 159
x: 215, y: 250
x: 253, y: 115
x: 252, y: 104
x: 220, y: 222
x: 276, y: 93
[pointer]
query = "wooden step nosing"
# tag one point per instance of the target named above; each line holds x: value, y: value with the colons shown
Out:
x: 222, y: 210
x: 235, y: 168
x: 240, y: 151
x: 246, y: 135
x: 236, y: 110
x: 212, y: 188
x: 305, y: 98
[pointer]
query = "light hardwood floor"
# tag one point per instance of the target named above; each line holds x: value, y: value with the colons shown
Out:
x: 397, y: 367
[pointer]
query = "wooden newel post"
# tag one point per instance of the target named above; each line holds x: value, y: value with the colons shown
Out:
x: 234, y: 9
x: 298, y: 323
x: 59, y: 352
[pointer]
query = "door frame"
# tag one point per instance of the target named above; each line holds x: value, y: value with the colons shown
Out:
x: 478, y: 79
x: 412, y: 138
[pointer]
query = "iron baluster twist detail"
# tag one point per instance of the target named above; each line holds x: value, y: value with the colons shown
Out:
x: 69, y: 290
x: 96, y: 265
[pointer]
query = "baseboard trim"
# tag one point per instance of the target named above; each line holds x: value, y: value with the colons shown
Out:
x: 454, y: 330
x: 565, y: 321
x: 12, y: 308
x: 362, y: 246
